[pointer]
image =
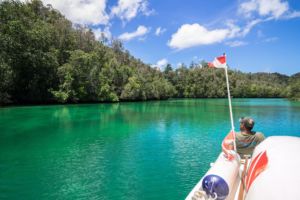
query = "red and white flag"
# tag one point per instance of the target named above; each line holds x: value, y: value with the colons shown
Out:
x: 228, y: 145
x: 219, y: 62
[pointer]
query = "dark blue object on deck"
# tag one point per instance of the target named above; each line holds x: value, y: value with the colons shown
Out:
x: 214, y: 186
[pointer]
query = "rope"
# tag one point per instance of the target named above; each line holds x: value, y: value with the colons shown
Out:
x: 230, y: 108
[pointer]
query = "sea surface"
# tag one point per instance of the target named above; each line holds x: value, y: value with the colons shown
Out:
x: 142, y: 150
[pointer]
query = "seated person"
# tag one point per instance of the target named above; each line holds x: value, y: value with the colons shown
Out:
x: 247, y: 140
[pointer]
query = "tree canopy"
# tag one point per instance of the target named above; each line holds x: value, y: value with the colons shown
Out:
x: 46, y: 59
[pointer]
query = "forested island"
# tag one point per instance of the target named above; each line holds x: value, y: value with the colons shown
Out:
x: 44, y: 58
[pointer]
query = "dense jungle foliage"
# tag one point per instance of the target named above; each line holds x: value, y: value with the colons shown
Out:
x: 44, y: 58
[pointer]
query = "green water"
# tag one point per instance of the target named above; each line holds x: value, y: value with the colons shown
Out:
x: 151, y: 150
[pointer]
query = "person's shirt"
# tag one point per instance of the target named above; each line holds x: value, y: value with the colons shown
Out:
x: 246, y: 142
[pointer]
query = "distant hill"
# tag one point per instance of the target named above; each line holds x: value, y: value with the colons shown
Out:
x: 297, y: 75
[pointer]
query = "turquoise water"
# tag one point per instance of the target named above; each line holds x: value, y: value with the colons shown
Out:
x: 146, y: 150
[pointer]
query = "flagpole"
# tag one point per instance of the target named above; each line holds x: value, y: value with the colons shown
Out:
x: 230, y: 107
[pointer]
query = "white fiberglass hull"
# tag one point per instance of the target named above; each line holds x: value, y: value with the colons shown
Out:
x: 273, y: 173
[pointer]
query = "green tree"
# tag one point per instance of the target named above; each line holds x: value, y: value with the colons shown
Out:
x: 132, y: 90
x: 6, y: 82
x: 45, y: 58
x: 294, y: 87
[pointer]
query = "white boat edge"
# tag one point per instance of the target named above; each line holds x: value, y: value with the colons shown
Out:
x: 282, y: 152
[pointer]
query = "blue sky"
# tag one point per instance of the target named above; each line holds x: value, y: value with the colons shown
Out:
x: 257, y: 35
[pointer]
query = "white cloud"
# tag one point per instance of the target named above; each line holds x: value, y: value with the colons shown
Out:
x: 159, y: 31
x: 291, y: 15
x: 271, y: 8
x: 249, y: 26
x: 140, y: 31
x: 126, y: 10
x: 145, y: 10
x: 271, y: 39
x: 234, y: 29
x: 267, y: 10
x: 236, y: 43
x: 247, y: 8
x: 179, y: 64
x: 161, y: 64
x: 190, y: 35
x: 105, y: 32
x: 89, y: 12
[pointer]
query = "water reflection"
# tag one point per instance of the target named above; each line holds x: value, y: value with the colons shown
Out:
x: 152, y: 150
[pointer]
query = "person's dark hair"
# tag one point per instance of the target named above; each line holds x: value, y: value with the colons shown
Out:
x: 247, y: 122
x: 248, y: 128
